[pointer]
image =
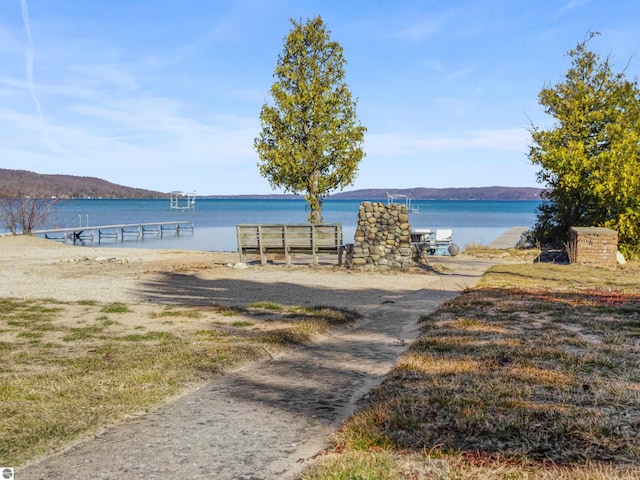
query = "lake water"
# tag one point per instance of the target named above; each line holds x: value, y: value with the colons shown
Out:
x: 215, y: 219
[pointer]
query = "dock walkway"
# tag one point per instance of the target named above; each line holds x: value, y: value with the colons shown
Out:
x: 89, y: 233
x: 509, y: 239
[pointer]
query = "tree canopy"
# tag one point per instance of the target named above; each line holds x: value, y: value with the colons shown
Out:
x: 590, y: 157
x: 311, y: 140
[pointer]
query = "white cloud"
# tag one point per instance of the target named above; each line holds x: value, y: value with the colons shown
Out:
x: 511, y: 140
x: 569, y: 6
x: 419, y: 30
x: 106, y: 75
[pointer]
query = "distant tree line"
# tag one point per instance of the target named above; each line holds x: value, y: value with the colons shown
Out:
x: 460, y: 193
x: 65, y: 186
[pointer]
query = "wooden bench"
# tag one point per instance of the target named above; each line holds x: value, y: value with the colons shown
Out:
x: 288, y: 239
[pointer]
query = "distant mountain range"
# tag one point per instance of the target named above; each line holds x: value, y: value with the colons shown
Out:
x: 471, y: 193
x: 69, y: 186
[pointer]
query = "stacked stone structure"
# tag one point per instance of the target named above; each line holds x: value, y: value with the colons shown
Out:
x: 382, y: 238
x: 593, y: 246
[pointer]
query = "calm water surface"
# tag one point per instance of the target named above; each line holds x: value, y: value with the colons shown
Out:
x: 215, y: 219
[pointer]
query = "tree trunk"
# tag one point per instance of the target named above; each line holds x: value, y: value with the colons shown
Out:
x: 314, y: 200
x: 315, y: 217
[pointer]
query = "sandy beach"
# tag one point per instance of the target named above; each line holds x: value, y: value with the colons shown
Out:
x: 32, y: 267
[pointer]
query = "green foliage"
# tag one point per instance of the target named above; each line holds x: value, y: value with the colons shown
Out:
x: 310, y: 140
x: 590, y: 158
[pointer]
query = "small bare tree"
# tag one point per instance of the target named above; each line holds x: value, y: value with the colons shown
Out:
x: 21, y: 213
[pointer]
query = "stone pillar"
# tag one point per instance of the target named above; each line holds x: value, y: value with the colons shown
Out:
x: 382, y: 238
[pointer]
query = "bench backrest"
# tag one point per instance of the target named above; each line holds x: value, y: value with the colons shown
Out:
x: 257, y: 237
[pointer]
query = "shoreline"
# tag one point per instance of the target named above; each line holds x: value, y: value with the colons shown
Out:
x: 223, y: 239
x: 33, y: 267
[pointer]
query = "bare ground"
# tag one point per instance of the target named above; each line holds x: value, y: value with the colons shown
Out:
x: 267, y: 419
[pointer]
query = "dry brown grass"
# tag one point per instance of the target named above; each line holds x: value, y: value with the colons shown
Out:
x: 513, y: 254
x: 71, y: 368
x: 533, y: 374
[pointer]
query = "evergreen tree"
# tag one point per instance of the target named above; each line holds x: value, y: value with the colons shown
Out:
x: 310, y: 140
x: 590, y: 158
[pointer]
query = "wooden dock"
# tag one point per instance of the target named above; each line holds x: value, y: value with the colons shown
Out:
x: 84, y: 234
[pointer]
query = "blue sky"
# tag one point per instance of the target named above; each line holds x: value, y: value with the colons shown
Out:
x: 166, y: 94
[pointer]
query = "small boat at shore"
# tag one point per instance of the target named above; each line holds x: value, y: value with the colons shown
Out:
x: 435, y: 242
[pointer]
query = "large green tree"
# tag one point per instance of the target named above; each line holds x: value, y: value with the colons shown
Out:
x: 590, y: 157
x: 311, y: 140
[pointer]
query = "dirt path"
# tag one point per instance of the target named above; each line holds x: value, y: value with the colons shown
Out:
x: 265, y: 420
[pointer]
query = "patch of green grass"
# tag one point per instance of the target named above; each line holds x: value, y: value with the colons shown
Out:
x: 33, y: 314
x: 106, y: 321
x: 8, y: 305
x: 87, y: 303
x: 116, y: 308
x: 276, y: 307
x: 209, y: 333
x: 82, y: 333
x: 30, y: 334
x: 18, y: 323
x: 242, y: 323
x: 228, y: 311
x: 146, y: 337
x: 44, y: 327
x: 173, y: 312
